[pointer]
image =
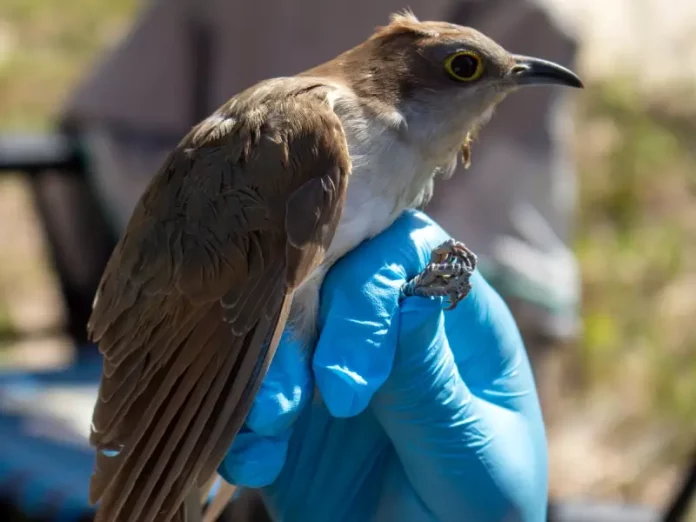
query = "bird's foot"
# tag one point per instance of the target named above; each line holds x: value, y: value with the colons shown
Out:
x: 447, y: 274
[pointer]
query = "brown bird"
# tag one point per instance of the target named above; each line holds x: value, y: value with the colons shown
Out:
x: 230, y: 242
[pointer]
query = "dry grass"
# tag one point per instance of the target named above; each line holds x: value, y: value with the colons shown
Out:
x: 633, y: 416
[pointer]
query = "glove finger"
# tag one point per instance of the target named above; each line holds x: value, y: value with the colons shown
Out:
x: 285, y: 390
x: 255, y: 461
x: 440, y: 432
x: 424, y: 388
x: 360, y: 297
x: 354, y: 354
x: 488, y: 348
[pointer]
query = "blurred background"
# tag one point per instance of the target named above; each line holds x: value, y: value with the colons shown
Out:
x: 623, y: 427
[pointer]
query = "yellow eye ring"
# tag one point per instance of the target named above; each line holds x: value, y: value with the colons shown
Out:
x: 464, y: 66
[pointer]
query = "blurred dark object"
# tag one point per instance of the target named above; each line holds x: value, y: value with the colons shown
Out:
x: 75, y: 227
x: 685, y: 497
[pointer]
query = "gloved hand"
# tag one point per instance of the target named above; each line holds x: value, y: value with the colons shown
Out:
x: 420, y: 414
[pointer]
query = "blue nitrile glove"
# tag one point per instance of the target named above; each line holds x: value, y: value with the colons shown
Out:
x: 422, y: 414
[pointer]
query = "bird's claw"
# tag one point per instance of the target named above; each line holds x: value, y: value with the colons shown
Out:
x: 447, y: 274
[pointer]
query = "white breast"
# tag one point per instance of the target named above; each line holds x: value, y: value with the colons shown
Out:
x: 388, y: 176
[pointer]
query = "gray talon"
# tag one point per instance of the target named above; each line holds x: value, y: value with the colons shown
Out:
x: 447, y: 274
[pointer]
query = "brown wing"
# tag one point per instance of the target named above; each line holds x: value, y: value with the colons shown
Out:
x: 195, y: 296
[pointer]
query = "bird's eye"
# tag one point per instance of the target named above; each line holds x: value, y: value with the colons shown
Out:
x: 465, y: 66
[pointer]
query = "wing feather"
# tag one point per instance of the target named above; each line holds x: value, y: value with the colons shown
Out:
x: 195, y: 297
x: 229, y: 409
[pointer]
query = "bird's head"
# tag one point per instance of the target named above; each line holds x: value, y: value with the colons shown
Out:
x: 444, y: 79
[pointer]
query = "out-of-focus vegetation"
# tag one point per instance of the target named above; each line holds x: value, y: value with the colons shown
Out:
x: 636, y: 236
x: 45, y: 46
x: 636, y: 239
x: 636, y: 243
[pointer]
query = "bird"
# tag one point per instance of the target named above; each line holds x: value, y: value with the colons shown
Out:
x: 229, y: 243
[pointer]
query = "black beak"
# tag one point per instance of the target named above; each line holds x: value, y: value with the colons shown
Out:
x: 535, y: 71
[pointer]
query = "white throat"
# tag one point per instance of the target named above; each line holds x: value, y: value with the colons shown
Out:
x: 389, y: 175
